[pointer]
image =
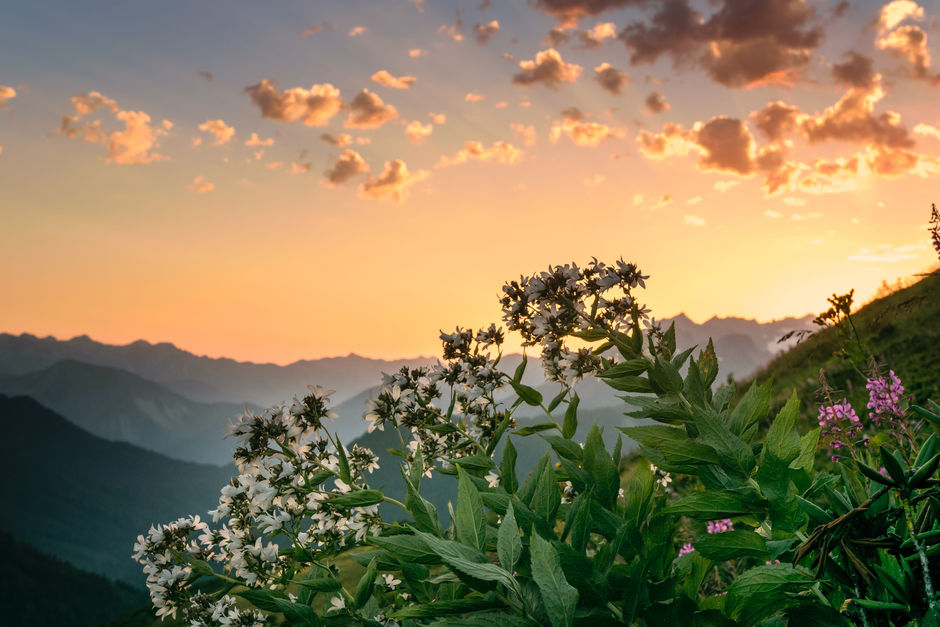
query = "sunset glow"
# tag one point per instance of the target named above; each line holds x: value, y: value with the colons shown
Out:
x: 273, y: 182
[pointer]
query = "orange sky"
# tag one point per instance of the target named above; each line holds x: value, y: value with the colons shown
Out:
x: 135, y: 203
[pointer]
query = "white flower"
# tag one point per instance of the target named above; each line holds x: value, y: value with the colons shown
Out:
x: 492, y: 479
x: 336, y: 604
x: 391, y: 581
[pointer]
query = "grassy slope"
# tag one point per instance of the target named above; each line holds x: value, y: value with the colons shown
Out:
x: 902, y: 330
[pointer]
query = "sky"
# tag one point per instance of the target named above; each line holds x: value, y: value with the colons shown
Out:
x: 299, y: 179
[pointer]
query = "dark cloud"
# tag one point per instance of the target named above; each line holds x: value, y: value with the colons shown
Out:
x: 675, y: 29
x: 857, y: 71
x: 548, y: 68
x: 314, y: 106
x: 556, y: 38
x: 852, y: 119
x: 568, y: 12
x: 727, y: 144
x: 776, y: 119
x: 484, y: 32
x: 656, y: 102
x: 368, y: 111
x: 611, y: 79
x: 754, y: 62
x: 349, y: 164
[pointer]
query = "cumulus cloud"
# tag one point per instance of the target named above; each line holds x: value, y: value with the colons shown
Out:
x: 776, y: 120
x: 355, y: 31
x: 299, y: 168
x: 527, y: 132
x: 414, y: 53
x: 568, y: 12
x: 416, y: 132
x: 743, y: 44
x: 691, y: 220
x: 548, y: 68
x: 134, y: 144
x: 856, y: 71
x: 611, y: 79
x: 601, y: 32
x: 499, y: 151
x: 928, y: 130
x: 254, y: 140
x: 473, y: 97
x: 895, y: 12
x: 349, y: 164
x: 340, y: 140
x: 385, y: 79
x: 484, y: 32
x: 581, y: 132
x: 200, y: 185
x: 314, y: 106
x: 723, y: 144
x: 316, y: 28
x: 910, y: 43
x: 656, y: 103
x: 368, y: 111
x: 723, y: 186
x: 438, y: 118
x: 222, y: 132
x: 7, y: 94
x: 393, y: 182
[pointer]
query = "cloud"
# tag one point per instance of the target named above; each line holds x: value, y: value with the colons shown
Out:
x: 499, y: 151
x: 581, y: 132
x: 314, y: 106
x: 556, y: 38
x: 723, y: 186
x: 200, y: 185
x: 454, y: 30
x: 728, y: 146
x: 858, y: 71
x: 392, y: 183
x: 274, y: 165
x: 385, y: 79
x: 910, y: 43
x: 416, y: 132
x: 694, y: 200
x: 355, y: 31
x: 316, y: 28
x: 893, y: 13
x: 548, y: 68
x: 770, y: 213
x: 601, y: 32
x: 222, y: 132
x: 568, y: 12
x: 691, y: 220
x: 744, y: 44
x: 656, y: 103
x: 414, y: 53
x: 254, y: 140
x: 502, y: 104
x: 526, y: 132
x: 7, y: 94
x: 790, y: 201
x: 438, y: 118
x: 473, y: 97
x: 349, y: 164
x: 368, y: 111
x: 928, y: 130
x: 776, y: 120
x: 134, y: 144
x: 611, y: 79
x: 886, y: 253
x: 299, y: 168
x: 663, y: 201
x: 484, y: 32
x: 340, y: 140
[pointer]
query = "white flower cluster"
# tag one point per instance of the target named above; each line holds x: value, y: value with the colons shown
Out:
x: 290, y: 472
x: 207, y: 611
x: 566, y: 300
x: 408, y: 398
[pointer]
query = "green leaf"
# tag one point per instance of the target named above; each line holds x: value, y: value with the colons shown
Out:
x: 445, y: 608
x: 753, y: 406
x: 598, y: 464
x: 694, y: 387
x: 520, y: 369
x: 578, y: 521
x: 559, y: 597
x: 894, y: 468
x: 405, y: 548
x: 277, y: 601
x: 570, y: 425
x: 320, y: 584
x: 358, y: 498
x: 763, y: 591
x: 782, y: 440
x: 366, y: 583
x: 486, y: 619
x: 343, y: 463
x: 732, y: 545
x: 712, y: 505
x: 530, y: 429
x: 546, y: 498
x: 467, y: 561
x: 925, y: 472
x: 807, y: 455
x: 507, y: 467
x: 874, y: 475
x: 556, y: 400
x: 626, y: 383
x: 665, y: 377
x: 708, y: 364
x: 564, y: 447
x: 528, y: 394
x: 508, y: 542
x: 927, y: 450
x: 475, y: 462
x: 668, y: 343
x: 734, y: 454
x: 672, y: 444
x: 471, y: 523
x: 422, y: 510
x: 631, y: 367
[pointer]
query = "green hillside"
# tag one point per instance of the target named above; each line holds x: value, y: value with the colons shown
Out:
x: 902, y: 330
x: 81, y: 598
x: 85, y: 499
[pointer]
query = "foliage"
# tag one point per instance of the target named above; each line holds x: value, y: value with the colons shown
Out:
x: 749, y: 533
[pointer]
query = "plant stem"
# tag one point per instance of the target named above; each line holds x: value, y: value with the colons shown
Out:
x: 924, y: 564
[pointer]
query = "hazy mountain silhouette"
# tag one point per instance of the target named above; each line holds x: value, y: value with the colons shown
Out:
x: 117, y: 405
x: 85, y: 499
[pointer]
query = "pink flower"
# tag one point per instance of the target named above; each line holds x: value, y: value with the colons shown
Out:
x: 720, y: 526
x: 686, y: 548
